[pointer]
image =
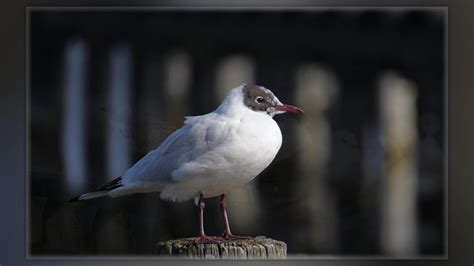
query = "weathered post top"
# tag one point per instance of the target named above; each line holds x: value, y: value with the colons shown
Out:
x: 258, y: 247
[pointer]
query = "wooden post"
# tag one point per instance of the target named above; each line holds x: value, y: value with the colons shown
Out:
x: 258, y: 247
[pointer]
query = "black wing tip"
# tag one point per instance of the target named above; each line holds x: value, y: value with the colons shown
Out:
x: 111, y: 184
x: 75, y: 199
x: 115, y: 183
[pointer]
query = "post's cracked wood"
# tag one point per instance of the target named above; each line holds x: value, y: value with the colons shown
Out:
x: 258, y: 247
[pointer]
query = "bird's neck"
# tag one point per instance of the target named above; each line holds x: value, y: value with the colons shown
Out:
x: 233, y: 104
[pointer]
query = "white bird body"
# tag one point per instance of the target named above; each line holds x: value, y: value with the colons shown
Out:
x: 209, y: 155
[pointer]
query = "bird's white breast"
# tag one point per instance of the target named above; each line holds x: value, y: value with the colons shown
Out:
x: 251, y: 143
x: 257, y: 143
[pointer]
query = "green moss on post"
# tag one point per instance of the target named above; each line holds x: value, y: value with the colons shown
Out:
x: 258, y: 247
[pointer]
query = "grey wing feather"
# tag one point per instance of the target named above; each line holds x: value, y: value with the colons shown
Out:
x: 152, y: 166
x: 181, y: 146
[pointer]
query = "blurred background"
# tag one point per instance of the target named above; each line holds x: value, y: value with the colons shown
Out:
x: 361, y: 173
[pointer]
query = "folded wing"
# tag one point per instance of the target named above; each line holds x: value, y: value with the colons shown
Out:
x: 198, y: 136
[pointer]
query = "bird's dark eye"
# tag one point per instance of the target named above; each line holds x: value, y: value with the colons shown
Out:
x: 259, y: 99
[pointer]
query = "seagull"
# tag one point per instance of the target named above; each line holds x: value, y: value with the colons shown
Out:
x: 209, y: 155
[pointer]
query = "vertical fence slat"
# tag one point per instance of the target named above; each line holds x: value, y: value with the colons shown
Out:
x: 119, y: 106
x: 314, y: 229
x: 74, y: 137
x: 397, y: 104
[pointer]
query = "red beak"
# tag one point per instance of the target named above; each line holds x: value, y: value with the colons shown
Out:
x: 289, y: 108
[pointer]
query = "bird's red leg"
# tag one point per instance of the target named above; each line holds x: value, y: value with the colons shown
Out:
x: 227, y: 233
x: 203, y: 238
x: 223, y: 206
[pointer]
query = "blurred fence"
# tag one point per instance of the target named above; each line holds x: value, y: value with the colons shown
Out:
x: 361, y: 172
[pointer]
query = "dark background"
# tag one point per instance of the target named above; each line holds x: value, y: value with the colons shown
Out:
x: 357, y: 46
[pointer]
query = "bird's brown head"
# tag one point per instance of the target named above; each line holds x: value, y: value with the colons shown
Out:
x: 260, y: 99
